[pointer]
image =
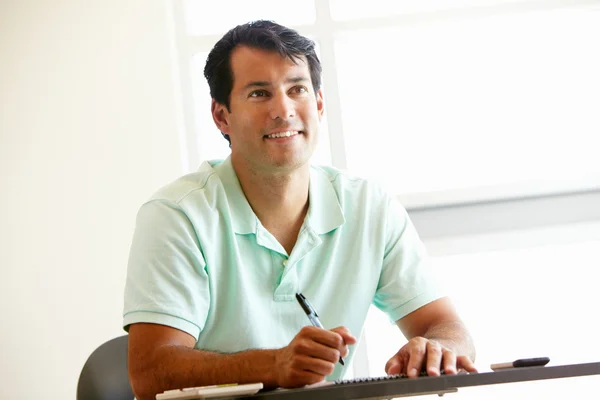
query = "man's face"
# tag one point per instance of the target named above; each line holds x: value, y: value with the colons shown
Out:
x: 274, y: 120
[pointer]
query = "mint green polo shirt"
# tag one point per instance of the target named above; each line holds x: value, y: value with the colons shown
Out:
x: 202, y: 262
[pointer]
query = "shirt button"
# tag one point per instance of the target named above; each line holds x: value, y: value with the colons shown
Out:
x: 284, y: 262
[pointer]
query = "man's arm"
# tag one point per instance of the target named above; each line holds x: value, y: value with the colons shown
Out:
x: 437, y: 338
x: 163, y: 358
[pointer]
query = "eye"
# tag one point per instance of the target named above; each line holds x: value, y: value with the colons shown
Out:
x: 300, y: 89
x: 257, y: 93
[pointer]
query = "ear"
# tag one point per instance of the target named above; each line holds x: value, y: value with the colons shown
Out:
x: 320, y: 104
x: 220, y: 115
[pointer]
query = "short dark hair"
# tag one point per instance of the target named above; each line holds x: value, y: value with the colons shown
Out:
x: 265, y: 35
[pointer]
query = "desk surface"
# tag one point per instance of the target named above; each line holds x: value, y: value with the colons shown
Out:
x: 429, y: 384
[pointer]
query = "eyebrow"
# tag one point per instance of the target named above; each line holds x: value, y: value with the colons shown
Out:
x: 295, y: 79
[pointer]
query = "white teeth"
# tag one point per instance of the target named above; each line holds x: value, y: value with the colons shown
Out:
x: 283, y: 134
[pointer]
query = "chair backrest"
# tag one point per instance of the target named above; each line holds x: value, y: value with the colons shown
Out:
x: 104, y: 375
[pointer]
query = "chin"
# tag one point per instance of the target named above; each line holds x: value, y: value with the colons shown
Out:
x: 291, y: 163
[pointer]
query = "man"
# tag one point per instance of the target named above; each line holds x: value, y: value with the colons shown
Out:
x: 218, y: 255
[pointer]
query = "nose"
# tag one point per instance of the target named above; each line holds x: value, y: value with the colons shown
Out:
x: 282, y: 107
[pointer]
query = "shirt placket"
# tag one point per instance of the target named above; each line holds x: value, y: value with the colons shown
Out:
x: 288, y: 285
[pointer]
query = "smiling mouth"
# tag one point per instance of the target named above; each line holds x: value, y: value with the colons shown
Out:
x: 283, y: 134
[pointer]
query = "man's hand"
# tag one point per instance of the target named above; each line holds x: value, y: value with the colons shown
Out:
x: 420, y: 353
x: 311, y: 355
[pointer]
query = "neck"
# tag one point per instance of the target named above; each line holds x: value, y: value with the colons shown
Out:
x: 279, y: 199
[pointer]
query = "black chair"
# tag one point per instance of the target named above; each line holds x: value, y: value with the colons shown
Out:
x: 104, y: 375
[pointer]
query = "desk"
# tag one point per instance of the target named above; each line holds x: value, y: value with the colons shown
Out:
x: 429, y: 384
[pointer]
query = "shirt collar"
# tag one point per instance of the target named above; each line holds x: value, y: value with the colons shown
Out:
x: 324, y: 211
x: 243, y: 218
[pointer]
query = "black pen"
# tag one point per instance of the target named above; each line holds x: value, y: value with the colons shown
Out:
x: 311, y: 314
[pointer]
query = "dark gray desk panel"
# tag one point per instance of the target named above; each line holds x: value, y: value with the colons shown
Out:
x: 429, y: 384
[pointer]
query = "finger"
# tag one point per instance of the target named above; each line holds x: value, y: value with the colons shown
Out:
x: 394, y: 366
x: 344, y: 351
x: 315, y: 365
x: 345, y: 333
x: 434, y: 358
x: 329, y: 339
x: 449, y: 362
x: 310, y: 348
x: 465, y: 363
x: 416, y: 358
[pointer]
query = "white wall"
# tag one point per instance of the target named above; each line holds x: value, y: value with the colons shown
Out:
x: 88, y: 127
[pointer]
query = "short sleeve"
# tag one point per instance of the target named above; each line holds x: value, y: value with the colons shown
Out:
x: 167, y: 282
x: 407, y: 281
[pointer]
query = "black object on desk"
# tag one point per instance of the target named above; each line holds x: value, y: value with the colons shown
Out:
x: 520, y: 363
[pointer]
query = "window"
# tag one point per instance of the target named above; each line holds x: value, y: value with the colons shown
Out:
x: 469, y: 102
x: 441, y: 101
